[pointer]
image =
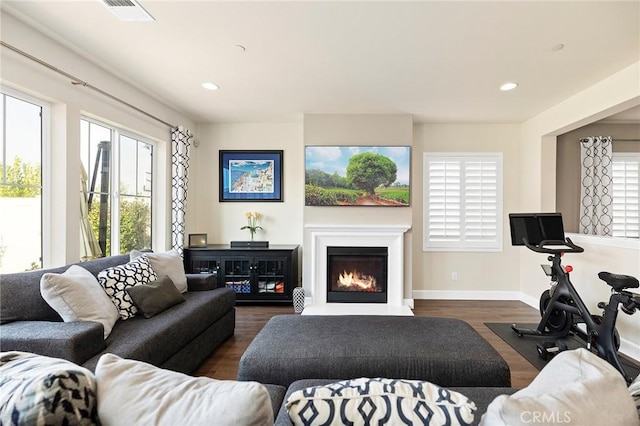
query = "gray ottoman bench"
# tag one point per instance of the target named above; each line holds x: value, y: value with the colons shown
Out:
x: 444, y: 351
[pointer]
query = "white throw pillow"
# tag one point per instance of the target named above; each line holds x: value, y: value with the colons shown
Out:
x: 166, y: 263
x: 379, y: 401
x: 117, y: 279
x: 76, y: 295
x: 576, y: 387
x: 136, y: 393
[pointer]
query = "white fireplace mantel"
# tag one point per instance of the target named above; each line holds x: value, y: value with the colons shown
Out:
x: 390, y: 236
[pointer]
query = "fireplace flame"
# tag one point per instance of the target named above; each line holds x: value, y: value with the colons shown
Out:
x: 357, y: 281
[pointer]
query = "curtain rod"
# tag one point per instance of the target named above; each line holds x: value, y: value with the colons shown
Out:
x: 79, y: 82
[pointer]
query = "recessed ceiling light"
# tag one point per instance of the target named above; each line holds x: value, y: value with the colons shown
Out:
x: 210, y: 86
x: 508, y: 86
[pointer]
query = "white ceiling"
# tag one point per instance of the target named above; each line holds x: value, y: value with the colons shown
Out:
x: 440, y: 61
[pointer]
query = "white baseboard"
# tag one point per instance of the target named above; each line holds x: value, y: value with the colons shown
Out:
x: 467, y: 295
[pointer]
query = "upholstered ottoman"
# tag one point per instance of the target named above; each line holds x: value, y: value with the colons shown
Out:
x: 444, y: 351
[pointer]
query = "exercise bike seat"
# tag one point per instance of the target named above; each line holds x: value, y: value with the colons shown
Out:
x: 619, y: 282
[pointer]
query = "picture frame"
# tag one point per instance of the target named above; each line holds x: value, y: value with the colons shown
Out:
x: 374, y: 176
x: 251, y: 175
x: 197, y: 240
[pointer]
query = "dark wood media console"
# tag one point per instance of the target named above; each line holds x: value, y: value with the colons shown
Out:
x: 255, y: 274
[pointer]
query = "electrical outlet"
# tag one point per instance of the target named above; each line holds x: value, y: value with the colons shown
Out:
x: 454, y: 276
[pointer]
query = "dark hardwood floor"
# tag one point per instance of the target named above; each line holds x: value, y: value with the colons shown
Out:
x: 223, y: 364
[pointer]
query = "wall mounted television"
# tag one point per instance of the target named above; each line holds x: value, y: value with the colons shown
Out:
x: 374, y: 176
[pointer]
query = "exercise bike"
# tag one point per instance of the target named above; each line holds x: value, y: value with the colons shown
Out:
x: 561, y: 307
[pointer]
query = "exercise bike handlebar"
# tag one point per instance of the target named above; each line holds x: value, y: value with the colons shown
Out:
x: 552, y: 246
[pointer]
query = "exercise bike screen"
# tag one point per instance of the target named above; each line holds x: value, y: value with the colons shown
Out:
x: 536, y: 227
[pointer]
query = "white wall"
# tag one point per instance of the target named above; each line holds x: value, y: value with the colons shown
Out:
x: 365, y: 130
x: 68, y: 103
x: 282, y: 221
x: 480, y: 275
x: 537, y: 193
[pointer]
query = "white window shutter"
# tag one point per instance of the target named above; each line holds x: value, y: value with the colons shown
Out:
x: 481, y: 200
x: 625, y: 196
x: 462, y: 202
x: 444, y: 200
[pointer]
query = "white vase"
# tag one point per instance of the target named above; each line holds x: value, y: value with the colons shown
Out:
x: 298, y: 299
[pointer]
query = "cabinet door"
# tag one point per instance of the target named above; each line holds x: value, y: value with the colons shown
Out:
x: 204, y: 265
x: 237, y: 275
x: 271, y: 279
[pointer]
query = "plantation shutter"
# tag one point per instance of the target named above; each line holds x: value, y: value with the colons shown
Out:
x: 626, y: 180
x: 481, y: 200
x: 462, y: 202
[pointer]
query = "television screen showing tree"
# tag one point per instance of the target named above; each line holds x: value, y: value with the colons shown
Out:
x: 357, y: 176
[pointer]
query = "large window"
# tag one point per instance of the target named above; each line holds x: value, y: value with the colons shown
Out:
x: 462, y: 202
x: 626, y: 181
x: 22, y: 132
x: 116, y: 185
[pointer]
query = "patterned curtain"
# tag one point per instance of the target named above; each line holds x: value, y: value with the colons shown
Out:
x: 179, y: 181
x: 596, y: 194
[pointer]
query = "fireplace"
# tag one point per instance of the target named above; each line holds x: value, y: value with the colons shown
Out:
x: 357, y: 274
x: 318, y: 240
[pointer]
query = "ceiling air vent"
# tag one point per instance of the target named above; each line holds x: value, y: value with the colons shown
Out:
x: 128, y: 10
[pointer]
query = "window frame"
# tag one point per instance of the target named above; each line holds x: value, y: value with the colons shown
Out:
x: 46, y: 215
x: 115, y: 171
x: 462, y: 244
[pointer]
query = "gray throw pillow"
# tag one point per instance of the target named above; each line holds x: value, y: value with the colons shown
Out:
x: 155, y: 296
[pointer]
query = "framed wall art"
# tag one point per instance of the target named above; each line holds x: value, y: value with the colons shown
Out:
x: 250, y: 175
x: 357, y: 176
x: 197, y: 240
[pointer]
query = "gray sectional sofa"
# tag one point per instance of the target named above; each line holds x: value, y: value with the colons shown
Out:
x: 178, y: 339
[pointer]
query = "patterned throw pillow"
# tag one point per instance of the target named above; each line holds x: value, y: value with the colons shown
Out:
x: 117, y: 279
x: 38, y: 390
x: 379, y: 401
